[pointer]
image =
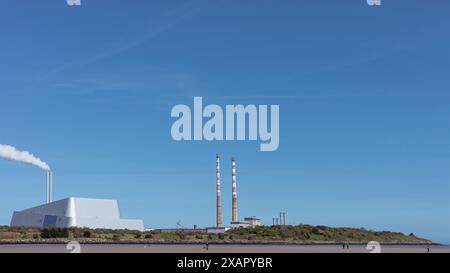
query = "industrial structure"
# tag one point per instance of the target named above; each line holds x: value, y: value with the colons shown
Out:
x: 76, y: 212
x: 234, y: 192
x: 253, y: 221
x: 283, y: 218
x: 104, y: 213
x: 49, y: 187
x: 235, y: 223
x: 281, y: 221
x: 218, y: 203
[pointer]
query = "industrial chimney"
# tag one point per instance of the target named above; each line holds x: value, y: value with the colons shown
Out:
x: 48, y: 187
x: 218, y: 206
x: 51, y: 187
x: 233, y: 185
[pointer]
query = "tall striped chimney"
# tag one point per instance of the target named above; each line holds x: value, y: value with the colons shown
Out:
x: 218, y: 205
x: 233, y: 185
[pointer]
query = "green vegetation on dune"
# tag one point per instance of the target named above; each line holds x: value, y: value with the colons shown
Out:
x: 263, y: 234
x: 308, y: 233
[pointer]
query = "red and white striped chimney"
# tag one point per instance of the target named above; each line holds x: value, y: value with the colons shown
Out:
x: 218, y: 205
x: 233, y: 185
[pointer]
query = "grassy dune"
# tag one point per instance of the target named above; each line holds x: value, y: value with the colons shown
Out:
x: 286, y: 234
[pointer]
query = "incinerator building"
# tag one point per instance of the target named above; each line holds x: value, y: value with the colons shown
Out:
x: 76, y: 212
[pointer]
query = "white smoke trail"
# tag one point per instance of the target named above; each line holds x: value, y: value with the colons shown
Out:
x: 10, y: 153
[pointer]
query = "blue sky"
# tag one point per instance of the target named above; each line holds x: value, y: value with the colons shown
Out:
x: 363, y: 95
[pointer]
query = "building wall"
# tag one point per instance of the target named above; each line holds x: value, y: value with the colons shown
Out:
x: 95, y: 208
x: 76, y: 212
x: 130, y: 224
x: 29, y: 219
x: 253, y: 221
x: 55, y: 208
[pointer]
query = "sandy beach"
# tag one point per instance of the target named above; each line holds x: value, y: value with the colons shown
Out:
x: 228, y: 248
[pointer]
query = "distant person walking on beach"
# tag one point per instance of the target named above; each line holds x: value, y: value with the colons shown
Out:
x: 206, y: 246
x: 348, y: 246
x: 428, y: 249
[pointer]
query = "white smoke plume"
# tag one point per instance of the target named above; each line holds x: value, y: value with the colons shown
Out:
x: 10, y: 153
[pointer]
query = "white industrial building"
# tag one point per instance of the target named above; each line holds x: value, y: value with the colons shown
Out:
x: 252, y: 221
x: 76, y: 212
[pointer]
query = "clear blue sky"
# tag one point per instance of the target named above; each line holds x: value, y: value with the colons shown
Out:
x: 363, y: 94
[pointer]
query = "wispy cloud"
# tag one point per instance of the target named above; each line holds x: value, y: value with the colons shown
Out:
x: 155, y: 28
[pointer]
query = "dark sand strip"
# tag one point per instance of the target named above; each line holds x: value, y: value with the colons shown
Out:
x: 194, y: 248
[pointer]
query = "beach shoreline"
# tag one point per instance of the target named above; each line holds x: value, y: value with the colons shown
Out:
x: 219, y: 248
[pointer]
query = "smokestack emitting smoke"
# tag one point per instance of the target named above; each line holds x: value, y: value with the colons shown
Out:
x: 233, y: 185
x: 49, y: 187
x: 219, y: 206
x: 10, y: 153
